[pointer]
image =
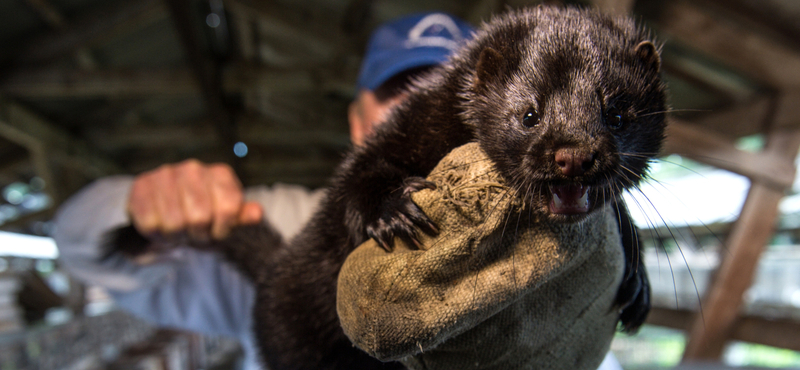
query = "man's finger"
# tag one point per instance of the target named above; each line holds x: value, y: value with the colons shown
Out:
x: 141, y: 206
x: 167, y: 201
x: 196, y: 199
x: 251, y: 213
x: 227, y: 197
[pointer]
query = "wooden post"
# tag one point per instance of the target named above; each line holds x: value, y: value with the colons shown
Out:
x: 614, y: 7
x: 207, y: 70
x: 47, y: 143
x: 748, y: 239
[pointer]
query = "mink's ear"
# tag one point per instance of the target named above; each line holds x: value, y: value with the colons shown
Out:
x: 491, y: 65
x: 648, y: 54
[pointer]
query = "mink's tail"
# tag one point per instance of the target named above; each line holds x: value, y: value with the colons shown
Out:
x: 249, y: 247
x: 125, y: 241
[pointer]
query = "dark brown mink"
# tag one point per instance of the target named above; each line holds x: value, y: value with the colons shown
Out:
x: 568, y: 104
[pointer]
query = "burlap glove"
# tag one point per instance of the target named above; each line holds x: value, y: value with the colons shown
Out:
x: 496, y: 289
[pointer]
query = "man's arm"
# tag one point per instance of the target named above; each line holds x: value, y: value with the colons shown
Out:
x: 81, y: 224
x: 171, y: 278
x: 183, y: 288
x: 169, y: 287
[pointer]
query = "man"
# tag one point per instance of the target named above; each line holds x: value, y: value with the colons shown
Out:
x: 192, y: 201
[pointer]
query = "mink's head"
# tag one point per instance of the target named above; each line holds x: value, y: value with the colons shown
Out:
x: 568, y: 103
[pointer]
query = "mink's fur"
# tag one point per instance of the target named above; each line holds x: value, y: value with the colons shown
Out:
x: 530, y: 83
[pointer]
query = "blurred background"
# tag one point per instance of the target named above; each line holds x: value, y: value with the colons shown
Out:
x: 90, y: 88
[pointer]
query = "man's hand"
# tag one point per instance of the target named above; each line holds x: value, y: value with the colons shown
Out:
x: 201, y: 201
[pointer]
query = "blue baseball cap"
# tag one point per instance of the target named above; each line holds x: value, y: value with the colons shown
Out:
x: 409, y: 42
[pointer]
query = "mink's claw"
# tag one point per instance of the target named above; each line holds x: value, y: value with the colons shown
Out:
x: 402, y: 218
x: 415, y: 184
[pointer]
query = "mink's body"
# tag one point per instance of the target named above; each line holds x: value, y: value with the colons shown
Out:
x: 569, y: 69
x: 569, y: 105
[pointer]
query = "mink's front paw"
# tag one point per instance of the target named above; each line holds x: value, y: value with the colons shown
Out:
x: 400, y: 217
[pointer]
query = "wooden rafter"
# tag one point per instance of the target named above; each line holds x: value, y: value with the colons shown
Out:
x: 72, y: 83
x: 760, y: 16
x: 81, y: 32
x: 56, y: 21
x: 745, y: 243
x: 48, y: 12
x: 54, y: 82
x: 44, y: 139
x: 707, y: 78
x: 749, y: 53
x: 780, y: 332
x: 243, y: 33
x: 616, y: 7
x: 706, y: 146
x: 207, y: 71
x: 203, y: 134
x: 317, y: 32
x: 357, y: 15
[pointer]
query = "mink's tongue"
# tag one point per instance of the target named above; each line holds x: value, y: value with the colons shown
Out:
x: 569, y: 199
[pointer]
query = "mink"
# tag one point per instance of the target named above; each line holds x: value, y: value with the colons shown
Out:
x: 569, y: 105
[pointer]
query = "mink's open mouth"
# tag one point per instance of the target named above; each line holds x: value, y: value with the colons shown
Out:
x: 572, y: 199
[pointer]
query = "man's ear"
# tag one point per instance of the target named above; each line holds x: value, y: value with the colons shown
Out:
x: 356, y: 121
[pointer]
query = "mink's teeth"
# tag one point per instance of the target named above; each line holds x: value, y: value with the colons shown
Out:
x: 583, y: 202
x: 570, y: 199
x: 557, y: 201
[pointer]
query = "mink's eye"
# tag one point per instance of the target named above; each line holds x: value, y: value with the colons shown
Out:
x: 614, y: 119
x: 530, y: 118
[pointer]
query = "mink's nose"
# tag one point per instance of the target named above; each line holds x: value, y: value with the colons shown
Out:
x: 573, y: 162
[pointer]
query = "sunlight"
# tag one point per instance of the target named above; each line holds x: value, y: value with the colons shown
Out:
x: 21, y: 245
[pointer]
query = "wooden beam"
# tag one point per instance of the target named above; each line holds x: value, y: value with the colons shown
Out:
x: 482, y: 10
x: 243, y: 33
x: 614, y: 7
x: 206, y: 70
x: 301, y: 166
x: 16, y: 161
x: 309, y: 180
x: 25, y: 221
x: 316, y: 30
x: 743, y: 119
x: 248, y: 77
x: 767, y: 18
x: 81, y: 32
x: 300, y: 138
x: 27, y: 129
x: 357, y: 15
x: 48, y: 13
x: 747, y: 52
x: 121, y: 83
x: 706, y: 146
x: 776, y: 332
x: 710, y: 139
x: 257, y: 164
x: 59, y: 83
x: 787, y: 109
x: 746, y: 242
x: 719, y: 82
x: 56, y: 21
x: 202, y: 134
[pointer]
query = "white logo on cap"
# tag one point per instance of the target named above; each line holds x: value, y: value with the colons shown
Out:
x: 416, y: 37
